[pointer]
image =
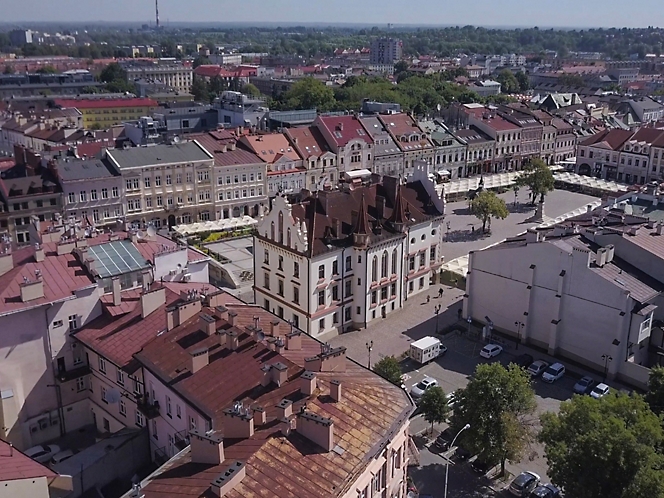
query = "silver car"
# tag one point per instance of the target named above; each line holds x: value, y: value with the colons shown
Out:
x: 418, y: 390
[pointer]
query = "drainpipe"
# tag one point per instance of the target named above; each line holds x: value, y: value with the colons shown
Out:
x: 366, y: 279
x: 58, y: 392
x: 343, y: 287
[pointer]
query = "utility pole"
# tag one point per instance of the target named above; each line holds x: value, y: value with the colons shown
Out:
x: 156, y: 8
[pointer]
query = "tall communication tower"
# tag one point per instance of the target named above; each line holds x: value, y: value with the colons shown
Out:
x: 156, y: 8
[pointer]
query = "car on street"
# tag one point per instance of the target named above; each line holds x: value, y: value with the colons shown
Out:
x: 524, y: 483
x: 491, y: 350
x: 554, y: 372
x: 584, y: 385
x: 442, y: 442
x: 451, y: 398
x: 537, y: 367
x: 43, y: 452
x: 545, y: 491
x: 61, y: 456
x: 418, y: 390
x: 523, y: 361
x: 482, y: 466
x: 600, y: 390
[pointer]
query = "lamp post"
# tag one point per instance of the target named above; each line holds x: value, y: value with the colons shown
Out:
x: 436, y: 310
x: 369, y: 348
x: 519, y: 325
x: 469, y: 320
x: 607, y: 359
x: 447, y: 465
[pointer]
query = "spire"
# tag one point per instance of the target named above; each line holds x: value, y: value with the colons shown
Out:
x: 399, y: 218
x: 362, y: 227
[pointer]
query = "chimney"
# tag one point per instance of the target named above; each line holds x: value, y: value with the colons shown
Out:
x: 335, y: 390
x: 260, y: 417
x: 267, y: 375
x: 228, y: 479
x: 146, y: 280
x: 317, y: 429
x: 199, y: 358
x: 206, y: 448
x: 31, y: 290
x: 214, y: 299
x: 180, y: 313
x: 279, y: 345
x: 152, y: 300
x: 600, y: 259
x: 39, y: 253
x: 238, y: 422
x: 207, y: 324
x: 274, y: 328
x: 279, y: 374
x: 232, y: 318
x: 284, y: 408
x: 222, y: 312
x: 232, y: 340
x: 65, y: 247
x: 329, y: 360
x: 634, y: 229
x: 294, y: 341
x: 6, y: 260
x: 659, y: 228
x: 117, y: 299
x: 223, y: 339
x: 307, y: 383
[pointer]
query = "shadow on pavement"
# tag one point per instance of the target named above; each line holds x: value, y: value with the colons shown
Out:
x: 430, y: 480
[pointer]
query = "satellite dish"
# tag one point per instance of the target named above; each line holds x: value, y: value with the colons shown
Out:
x: 113, y: 396
x: 140, y: 234
x: 152, y: 231
x: 260, y: 336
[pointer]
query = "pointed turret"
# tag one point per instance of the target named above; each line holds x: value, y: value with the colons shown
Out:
x: 361, y: 231
x: 399, y: 218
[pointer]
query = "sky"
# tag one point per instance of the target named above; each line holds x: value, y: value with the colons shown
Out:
x: 557, y: 13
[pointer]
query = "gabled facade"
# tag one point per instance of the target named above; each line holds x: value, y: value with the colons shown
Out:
x: 450, y: 150
x: 388, y: 157
x: 411, y: 139
x: 348, y: 139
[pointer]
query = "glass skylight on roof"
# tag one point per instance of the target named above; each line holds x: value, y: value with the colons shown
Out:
x: 117, y: 258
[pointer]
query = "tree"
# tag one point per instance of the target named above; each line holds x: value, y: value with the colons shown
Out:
x: 199, y: 89
x: 8, y: 70
x: 112, y: 72
x: 201, y: 61
x: 524, y: 81
x: 487, y: 204
x: 47, y: 69
x: 434, y: 406
x: 655, y: 395
x: 389, y: 369
x: 400, y: 67
x: 508, y: 82
x: 538, y: 178
x: 498, y: 403
x: 607, y: 447
x: 309, y: 93
x: 515, y: 189
x: 250, y: 89
x: 571, y: 80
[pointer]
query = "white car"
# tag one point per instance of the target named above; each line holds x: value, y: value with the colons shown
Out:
x: 491, y: 350
x: 418, y: 390
x: 599, y: 391
x: 42, y: 453
x: 553, y: 373
x: 62, y: 456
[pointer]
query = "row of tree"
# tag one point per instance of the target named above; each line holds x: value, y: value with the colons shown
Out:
x: 595, y: 448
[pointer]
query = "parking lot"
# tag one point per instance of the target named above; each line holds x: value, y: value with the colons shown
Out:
x: 453, y: 371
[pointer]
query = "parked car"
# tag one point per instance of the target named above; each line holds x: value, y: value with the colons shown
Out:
x: 451, y: 398
x: 584, y: 385
x: 554, y: 372
x: 418, y: 390
x: 537, y: 367
x: 524, y: 484
x: 491, y: 350
x: 482, y: 466
x: 523, y: 361
x: 600, y: 390
x: 62, y: 456
x: 42, y: 453
x: 545, y: 491
x: 462, y: 454
x: 442, y: 442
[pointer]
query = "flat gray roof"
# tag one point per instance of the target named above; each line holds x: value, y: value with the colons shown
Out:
x: 136, y: 157
x: 80, y: 169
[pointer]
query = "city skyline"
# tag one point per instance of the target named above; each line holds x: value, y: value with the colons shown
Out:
x: 510, y: 13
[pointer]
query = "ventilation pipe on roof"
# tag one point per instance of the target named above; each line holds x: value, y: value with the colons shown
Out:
x: 335, y: 390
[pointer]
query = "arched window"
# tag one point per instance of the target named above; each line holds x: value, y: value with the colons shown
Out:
x: 281, y: 227
x: 383, y: 265
x: 394, y: 262
x: 272, y: 230
x: 288, y: 238
x: 374, y: 268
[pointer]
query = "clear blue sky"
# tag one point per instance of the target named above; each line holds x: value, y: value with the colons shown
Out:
x: 572, y: 13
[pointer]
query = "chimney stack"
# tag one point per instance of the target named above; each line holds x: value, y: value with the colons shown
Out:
x: 39, y: 253
x: 284, y: 408
x: 279, y: 374
x: 228, y: 479
x: 238, y: 422
x: 222, y: 312
x: 317, y: 429
x: 232, y: 340
x: 152, y: 300
x: 117, y: 298
x: 335, y: 390
x: 274, y: 328
x: 260, y: 417
x: 659, y: 228
x: 206, y: 448
x: 207, y: 324
x: 267, y: 375
x: 307, y: 383
x: 199, y: 358
x: 294, y: 341
x: 232, y: 318
x: 280, y: 345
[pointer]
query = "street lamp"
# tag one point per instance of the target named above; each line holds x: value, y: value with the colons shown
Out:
x: 469, y: 320
x: 607, y: 359
x: 519, y: 325
x: 369, y: 348
x: 447, y: 465
x: 436, y: 310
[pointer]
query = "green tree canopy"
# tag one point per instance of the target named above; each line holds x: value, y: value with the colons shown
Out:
x: 655, y: 395
x: 538, y: 178
x: 8, y: 69
x: 434, y: 406
x: 47, y: 69
x: 608, y: 447
x: 112, y: 72
x: 508, y: 82
x: 389, y: 369
x: 250, y: 89
x: 487, y: 204
x: 524, y: 81
x: 499, y: 404
x: 201, y: 61
x: 309, y: 93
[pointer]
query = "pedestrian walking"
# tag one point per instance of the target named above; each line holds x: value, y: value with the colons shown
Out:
x: 440, y: 293
x: 428, y: 298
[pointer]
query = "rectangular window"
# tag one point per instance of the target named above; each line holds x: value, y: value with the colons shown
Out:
x: 349, y: 288
x: 80, y: 384
x: 349, y: 263
x: 157, y: 180
x: 280, y: 287
x: 321, y: 325
x: 140, y: 420
x: 84, y: 196
x: 102, y: 365
x: 335, y: 268
x: 266, y: 257
x: 121, y: 377
x: 115, y: 192
x: 160, y: 201
x: 432, y: 254
x: 321, y: 271
x: 146, y: 182
x: 71, y: 198
x: 296, y: 294
x: 168, y: 406
x: 296, y: 269
x: 266, y: 282
x: 411, y: 263
x: 383, y: 293
x: 178, y: 179
x: 73, y: 322
x: 422, y: 259
x: 178, y: 411
x: 168, y: 180
x: 190, y: 177
x: 321, y: 298
x: 393, y: 290
x: 123, y: 408
x: 347, y: 314
x: 192, y: 423
x: 281, y: 263
x: 104, y: 193
x: 335, y: 293
x: 374, y: 297
x: 103, y: 394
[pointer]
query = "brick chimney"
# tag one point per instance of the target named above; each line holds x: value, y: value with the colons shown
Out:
x: 267, y: 375
x: 260, y: 417
x: 32, y: 290
x: 238, y: 422
x: 279, y: 374
x: 329, y: 360
x: 307, y: 383
x: 228, y: 479
x: 199, y: 358
x: 39, y: 253
x: 317, y: 429
x: 280, y: 345
x: 335, y: 390
x: 222, y: 312
x: 206, y: 448
x: 232, y: 340
x: 180, y: 313
x: 284, y: 408
x: 294, y: 341
x: 207, y: 324
x: 232, y: 318
x: 152, y: 300
x: 274, y: 328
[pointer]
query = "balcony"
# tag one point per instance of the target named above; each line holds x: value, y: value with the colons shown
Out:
x: 148, y: 408
x: 76, y: 373
x: 181, y: 440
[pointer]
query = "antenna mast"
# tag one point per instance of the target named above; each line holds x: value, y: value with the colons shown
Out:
x: 156, y: 8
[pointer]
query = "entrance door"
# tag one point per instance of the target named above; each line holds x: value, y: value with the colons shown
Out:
x: 171, y: 221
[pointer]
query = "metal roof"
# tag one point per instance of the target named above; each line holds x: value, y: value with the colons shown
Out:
x: 117, y: 258
x: 137, y: 157
x: 80, y: 169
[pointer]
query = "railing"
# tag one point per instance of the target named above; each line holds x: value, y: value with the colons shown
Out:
x: 181, y: 440
x: 161, y: 456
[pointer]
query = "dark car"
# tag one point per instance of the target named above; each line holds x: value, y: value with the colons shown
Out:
x: 482, y: 466
x: 462, y: 454
x: 545, y: 491
x: 442, y: 442
x: 523, y: 361
x: 524, y: 484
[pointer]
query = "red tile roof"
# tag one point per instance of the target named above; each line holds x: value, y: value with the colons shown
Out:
x: 270, y: 147
x: 105, y: 103
x: 614, y: 138
x: 491, y: 119
x: 15, y: 465
x: 400, y: 125
x: 222, y: 153
x: 308, y: 141
x: 344, y: 129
